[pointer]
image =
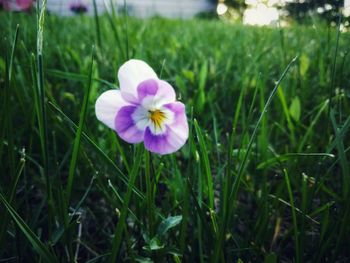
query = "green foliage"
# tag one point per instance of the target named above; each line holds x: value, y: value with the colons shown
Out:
x: 302, y: 9
x: 262, y: 178
x: 238, y: 5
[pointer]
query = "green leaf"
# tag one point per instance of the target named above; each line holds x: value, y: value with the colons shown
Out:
x: 154, y: 244
x: 203, y: 73
x: 143, y: 260
x: 271, y: 258
x: 2, y: 65
x: 188, y: 74
x: 295, y: 109
x: 167, y: 224
x: 304, y: 64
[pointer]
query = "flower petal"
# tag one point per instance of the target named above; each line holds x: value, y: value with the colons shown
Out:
x: 24, y: 4
x: 180, y: 124
x: 141, y: 118
x: 161, y: 126
x: 174, y: 137
x: 126, y: 127
x: 146, y: 88
x: 165, y: 93
x: 107, y: 106
x: 153, y: 93
x: 131, y: 74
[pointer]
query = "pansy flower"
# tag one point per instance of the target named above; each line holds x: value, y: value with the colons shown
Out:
x: 24, y: 4
x: 144, y: 109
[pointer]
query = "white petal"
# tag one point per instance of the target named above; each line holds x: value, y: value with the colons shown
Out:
x: 131, y: 74
x: 108, y: 105
x: 140, y: 117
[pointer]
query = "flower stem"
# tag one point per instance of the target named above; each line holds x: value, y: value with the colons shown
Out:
x: 149, y: 190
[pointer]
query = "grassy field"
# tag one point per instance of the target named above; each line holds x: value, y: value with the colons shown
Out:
x: 264, y: 176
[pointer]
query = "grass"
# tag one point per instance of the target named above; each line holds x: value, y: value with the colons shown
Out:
x: 264, y: 176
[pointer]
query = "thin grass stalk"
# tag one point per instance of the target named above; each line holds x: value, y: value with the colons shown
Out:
x: 126, y: 30
x: 74, y: 159
x: 7, y: 117
x: 294, y: 216
x: 108, y: 160
x: 79, y: 133
x: 344, y: 164
x: 334, y: 65
x: 38, y: 245
x: 112, y: 18
x: 13, y: 50
x: 304, y: 199
x: 97, y: 25
x: 124, y: 212
x: 122, y: 154
x: 10, y: 197
x: 206, y: 164
x: 149, y: 194
x: 237, y: 182
x: 186, y: 205
x: 200, y: 218
x: 42, y: 111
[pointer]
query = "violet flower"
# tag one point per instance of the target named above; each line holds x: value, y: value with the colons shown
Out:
x: 24, y: 4
x: 144, y: 109
x: 78, y: 8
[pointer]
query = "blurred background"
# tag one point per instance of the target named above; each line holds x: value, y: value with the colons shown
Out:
x: 251, y: 12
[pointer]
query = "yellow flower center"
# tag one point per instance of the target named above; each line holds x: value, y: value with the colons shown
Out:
x: 157, y: 117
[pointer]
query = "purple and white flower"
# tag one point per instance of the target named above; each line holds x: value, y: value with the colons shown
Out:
x: 144, y: 109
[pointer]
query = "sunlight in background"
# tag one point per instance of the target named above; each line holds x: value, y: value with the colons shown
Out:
x: 221, y: 9
x: 260, y: 14
x: 347, y: 8
x: 264, y: 12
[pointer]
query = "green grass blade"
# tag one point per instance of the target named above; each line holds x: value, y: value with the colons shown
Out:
x: 237, y: 182
x: 126, y: 30
x: 287, y: 115
x: 13, y: 49
x: 124, y: 178
x: 124, y: 211
x: 41, y: 110
x: 78, y: 136
x: 344, y: 164
x: 310, y: 129
x: 149, y: 194
x: 295, y: 223
x: 334, y: 64
x: 39, y: 247
x: 97, y: 24
x: 206, y: 163
x: 4, y: 217
x: 267, y: 104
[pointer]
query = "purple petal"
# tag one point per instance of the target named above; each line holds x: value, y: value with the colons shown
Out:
x: 174, y: 137
x: 178, y: 108
x: 125, y: 125
x: 147, y: 88
x: 160, y: 92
